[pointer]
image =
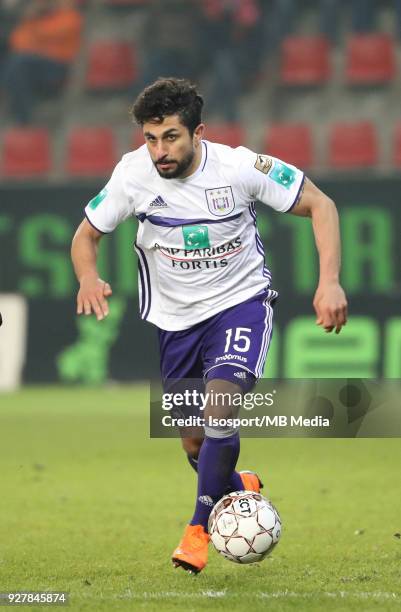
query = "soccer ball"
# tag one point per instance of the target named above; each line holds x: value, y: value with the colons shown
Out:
x: 244, y: 527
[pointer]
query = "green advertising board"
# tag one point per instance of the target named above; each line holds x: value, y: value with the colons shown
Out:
x: 36, y: 227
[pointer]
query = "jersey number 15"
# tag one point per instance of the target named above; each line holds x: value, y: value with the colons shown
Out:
x: 241, y: 342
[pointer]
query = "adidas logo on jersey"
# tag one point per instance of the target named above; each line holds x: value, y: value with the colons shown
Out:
x: 158, y: 203
x: 240, y: 375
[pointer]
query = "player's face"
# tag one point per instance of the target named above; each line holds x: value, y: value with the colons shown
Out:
x: 174, y: 152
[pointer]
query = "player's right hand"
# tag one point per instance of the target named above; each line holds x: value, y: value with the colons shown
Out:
x: 92, y: 297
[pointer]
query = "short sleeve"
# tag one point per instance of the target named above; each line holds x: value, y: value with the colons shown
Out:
x: 270, y: 180
x: 111, y: 206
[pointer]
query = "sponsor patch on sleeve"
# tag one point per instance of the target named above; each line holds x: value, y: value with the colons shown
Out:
x: 94, y: 203
x: 283, y: 174
x: 263, y: 163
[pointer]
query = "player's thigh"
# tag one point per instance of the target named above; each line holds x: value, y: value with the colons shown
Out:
x: 182, y: 376
x: 180, y: 354
x: 237, y: 341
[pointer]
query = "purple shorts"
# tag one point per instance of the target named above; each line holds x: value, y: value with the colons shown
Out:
x: 232, y: 345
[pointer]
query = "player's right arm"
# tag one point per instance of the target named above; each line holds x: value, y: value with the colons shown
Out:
x: 93, y: 291
x: 103, y: 213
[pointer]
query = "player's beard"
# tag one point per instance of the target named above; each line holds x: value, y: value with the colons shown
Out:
x: 178, y: 169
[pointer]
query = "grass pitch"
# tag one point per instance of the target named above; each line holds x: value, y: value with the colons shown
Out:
x: 90, y: 505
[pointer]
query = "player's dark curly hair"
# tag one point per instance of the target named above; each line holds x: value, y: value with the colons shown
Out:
x: 169, y: 96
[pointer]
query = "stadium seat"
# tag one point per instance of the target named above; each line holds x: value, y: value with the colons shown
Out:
x: 91, y: 151
x: 353, y: 145
x: 26, y: 153
x: 305, y: 60
x: 397, y: 145
x: 231, y: 134
x: 111, y: 66
x: 370, y: 59
x: 137, y: 138
x: 291, y: 142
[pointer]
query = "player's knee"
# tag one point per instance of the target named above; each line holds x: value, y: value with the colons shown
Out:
x: 221, y: 411
x: 192, y: 446
x: 221, y: 430
x: 224, y: 399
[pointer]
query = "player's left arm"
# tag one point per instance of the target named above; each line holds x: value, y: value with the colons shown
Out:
x: 329, y: 302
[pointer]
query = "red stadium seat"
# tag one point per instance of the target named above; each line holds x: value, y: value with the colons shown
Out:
x: 370, y: 59
x: 305, y: 60
x: 397, y: 145
x: 291, y: 142
x: 26, y: 153
x: 353, y: 145
x: 231, y: 134
x: 91, y: 151
x: 137, y: 138
x: 111, y: 66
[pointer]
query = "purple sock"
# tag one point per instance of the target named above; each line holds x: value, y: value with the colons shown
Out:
x: 193, y: 462
x: 216, y: 463
x: 234, y: 484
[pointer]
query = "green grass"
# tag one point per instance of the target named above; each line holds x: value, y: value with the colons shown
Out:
x: 90, y: 505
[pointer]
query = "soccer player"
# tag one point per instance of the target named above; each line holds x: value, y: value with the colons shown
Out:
x: 202, y: 275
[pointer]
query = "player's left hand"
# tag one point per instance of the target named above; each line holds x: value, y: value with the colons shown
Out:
x: 331, y: 306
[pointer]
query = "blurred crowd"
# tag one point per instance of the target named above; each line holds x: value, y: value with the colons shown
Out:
x: 221, y: 42
x: 229, y: 40
x: 39, y: 39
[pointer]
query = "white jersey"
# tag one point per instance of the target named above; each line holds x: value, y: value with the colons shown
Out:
x: 199, y: 251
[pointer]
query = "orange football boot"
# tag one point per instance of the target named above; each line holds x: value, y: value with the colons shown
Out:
x: 251, y: 481
x: 191, y: 552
